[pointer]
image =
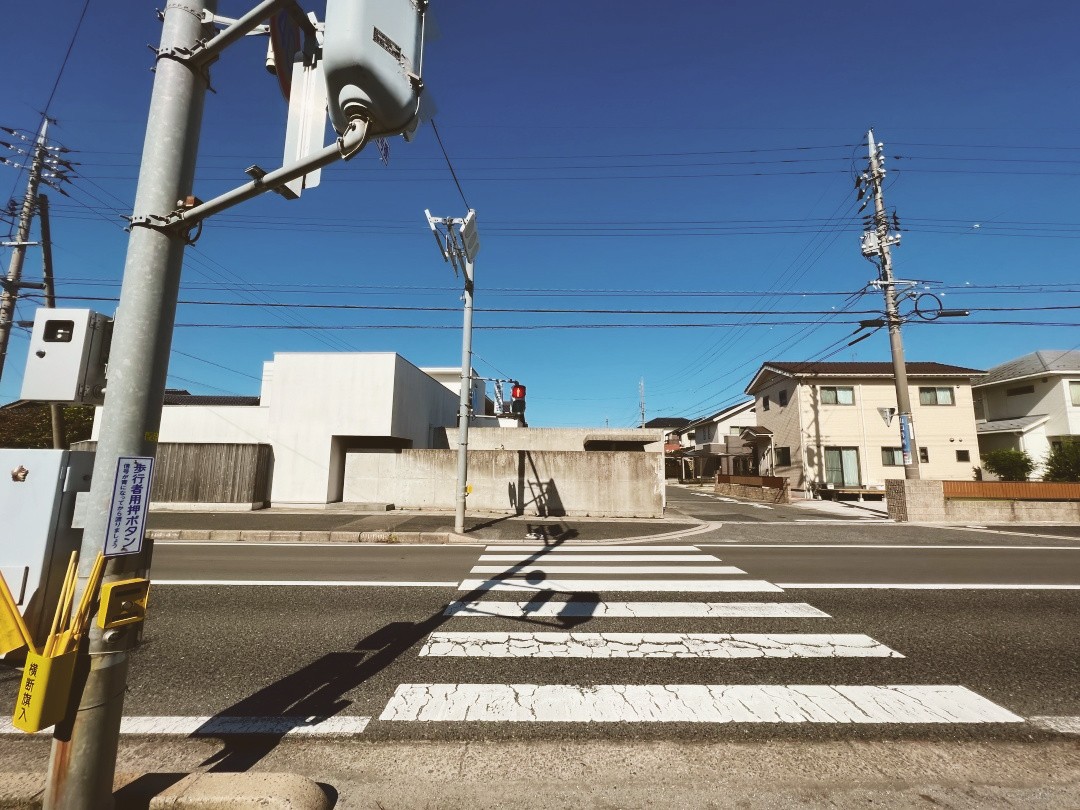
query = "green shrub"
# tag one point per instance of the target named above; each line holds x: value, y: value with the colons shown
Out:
x: 1009, y: 465
x: 1063, y: 463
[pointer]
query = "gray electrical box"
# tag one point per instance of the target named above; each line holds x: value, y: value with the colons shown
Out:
x: 371, y: 59
x: 38, y: 489
x: 68, y: 352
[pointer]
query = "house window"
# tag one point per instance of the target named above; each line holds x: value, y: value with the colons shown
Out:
x: 837, y: 395
x: 764, y: 403
x: 924, y: 455
x: 1020, y: 390
x: 1074, y: 391
x: 936, y: 396
x: 781, y: 397
x: 892, y: 457
x: 735, y: 431
x: 783, y: 456
x: 842, y: 466
x: 963, y: 455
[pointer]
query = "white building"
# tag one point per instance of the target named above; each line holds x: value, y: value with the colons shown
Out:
x: 1031, y: 403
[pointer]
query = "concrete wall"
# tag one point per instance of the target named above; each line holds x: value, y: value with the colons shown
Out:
x: 568, y: 439
x: 925, y: 502
x: 545, y: 482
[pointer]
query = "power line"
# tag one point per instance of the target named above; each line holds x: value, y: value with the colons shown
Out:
x: 449, y: 165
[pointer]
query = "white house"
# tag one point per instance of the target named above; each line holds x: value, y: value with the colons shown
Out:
x: 1031, y: 403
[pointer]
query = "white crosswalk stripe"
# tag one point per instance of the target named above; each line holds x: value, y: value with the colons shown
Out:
x: 538, y: 572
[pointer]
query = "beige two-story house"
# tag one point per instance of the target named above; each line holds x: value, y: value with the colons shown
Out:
x: 831, y: 425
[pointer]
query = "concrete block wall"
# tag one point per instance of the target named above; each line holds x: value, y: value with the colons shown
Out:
x: 762, y: 494
x: 925, y: 502
x: 543, y: 483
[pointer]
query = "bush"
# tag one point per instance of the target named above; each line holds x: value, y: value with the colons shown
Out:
x: 1009, y: 465
x: 1063, y: 463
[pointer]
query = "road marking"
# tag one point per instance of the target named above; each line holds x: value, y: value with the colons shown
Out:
x: 230, y: 726
x: 557, y: 557
x: 924, y: 586
x: 683, y: 703
x: 305, y: 544
x: 541, y: 566
x: 968, y: 547
x: 636, y: 610
x: 627, y: 585
x: 1064, y: 725
x: 583, y: 548
x: 654, y: 645
x: 312, y: 583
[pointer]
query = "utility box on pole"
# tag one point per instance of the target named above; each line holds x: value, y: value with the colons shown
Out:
x: 66, y: 360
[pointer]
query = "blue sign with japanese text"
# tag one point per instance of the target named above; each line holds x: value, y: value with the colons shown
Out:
x: 130, y: 503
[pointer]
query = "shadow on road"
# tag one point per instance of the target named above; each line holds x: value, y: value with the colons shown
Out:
x: 316, y: 691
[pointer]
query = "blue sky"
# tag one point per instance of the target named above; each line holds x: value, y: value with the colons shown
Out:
x: 637, y: 157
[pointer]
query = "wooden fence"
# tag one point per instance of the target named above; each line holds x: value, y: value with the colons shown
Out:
x: 209, y: 473
x: 753, y: 480
x: 1012, y: 490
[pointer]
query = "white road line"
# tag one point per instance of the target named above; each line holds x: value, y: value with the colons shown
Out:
x: 684, y: 703
x: 558, y: 557
x: 617, y: 570
x: 307, y: 583
x: 636, y: 610
x: 230, y: 726
x: 1064, y: 725
x: 654, y: 645
x: 626, y: 585
x: 934, y: 547
x: 587, y: 549
x: 924, y: 586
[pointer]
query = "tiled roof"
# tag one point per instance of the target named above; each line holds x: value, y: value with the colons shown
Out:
x: 668, y: 422
x: 1045, y: 361
x: 870, y: 369
x: 1018, y: 425
x: 184, y: 398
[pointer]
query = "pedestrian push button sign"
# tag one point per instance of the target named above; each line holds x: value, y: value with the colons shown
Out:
x: 130, y: 503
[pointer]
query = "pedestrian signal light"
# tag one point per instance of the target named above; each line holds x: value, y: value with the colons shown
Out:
x: 517, y: 399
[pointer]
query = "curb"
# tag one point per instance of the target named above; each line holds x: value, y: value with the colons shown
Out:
x: 199, y: 791
x: 276, y: 536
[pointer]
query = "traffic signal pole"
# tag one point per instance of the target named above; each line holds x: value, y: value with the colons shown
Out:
x: 464, y: 400
x: 83, y: 761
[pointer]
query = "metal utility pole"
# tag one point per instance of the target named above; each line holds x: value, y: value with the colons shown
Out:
x: 641, y: 400
x: 12, y: 282
x: 56, y: 412
x: 459, y: 242
x: 878, y: 241
x: 83, y: 761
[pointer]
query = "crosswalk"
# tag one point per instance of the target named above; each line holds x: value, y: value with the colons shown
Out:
x: 562, y: 587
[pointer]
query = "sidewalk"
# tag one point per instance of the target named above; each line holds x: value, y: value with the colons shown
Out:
x: 338, y: 526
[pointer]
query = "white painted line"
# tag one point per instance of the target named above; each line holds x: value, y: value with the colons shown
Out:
x: 636, y: 610
x: 230, y: 726
x: 1064, y: 725
x: 307, y: 583
x: 627, y: 585
x: 542, y: 567
x: 924, y: 586
x: 587, y: 549
x: 654, y: 645
x: 557, y: 557
x: 685, y: 703
x: 968, y: 547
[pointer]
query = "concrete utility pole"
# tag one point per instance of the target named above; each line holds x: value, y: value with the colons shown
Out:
x: 884, y: 241
x: 641, y: 400
x: 56, y: 412
x: 83, y: 761
x: 12, y: 282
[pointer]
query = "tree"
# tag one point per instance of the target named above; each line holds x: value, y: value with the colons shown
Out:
x: 1063, y: 463
x: 1009, y: 465
x: 27, y: 424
